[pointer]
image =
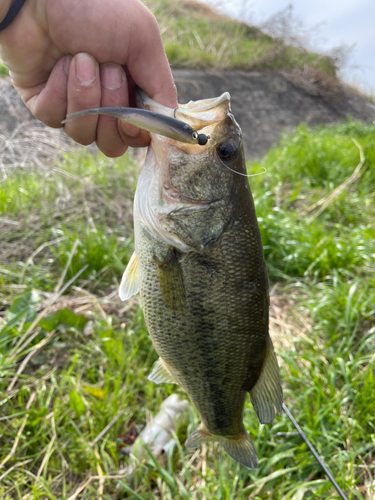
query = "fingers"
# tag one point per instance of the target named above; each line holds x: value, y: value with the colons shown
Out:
x: 114, y: 92
x: 83, y: 92
x: 91, y: 86
x: 79, y: 83
x: 47, y: 101
x: 114, y: 136
x: 53, y: 84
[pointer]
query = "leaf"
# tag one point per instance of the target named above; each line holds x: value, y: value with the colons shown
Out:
x: 23, y: 307
x: 27, y: 300
x: 63, y: 317
x: 76, y: 403
x: 12, y: 323
x: 274, y: 475
x: 94, y: 391
x: 168, y: 478
x: 36, y: 416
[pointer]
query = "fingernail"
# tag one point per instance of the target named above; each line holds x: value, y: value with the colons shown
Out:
x: 112, y: 76
x: 86, y: 69
x: 66, y: 64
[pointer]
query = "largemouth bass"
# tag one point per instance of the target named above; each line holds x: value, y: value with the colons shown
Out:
x: 199, y: 267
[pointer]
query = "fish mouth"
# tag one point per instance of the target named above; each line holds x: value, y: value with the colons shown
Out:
x: 180, y: 124
x: 203, y: 114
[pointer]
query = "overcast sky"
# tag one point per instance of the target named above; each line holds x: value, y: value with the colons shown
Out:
x: 349, y: 22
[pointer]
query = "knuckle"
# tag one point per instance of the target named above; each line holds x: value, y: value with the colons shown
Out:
x: 45, y: 113
x: 151, y: 21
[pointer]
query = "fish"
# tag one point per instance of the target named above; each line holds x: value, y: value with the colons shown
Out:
x: 199, y: 268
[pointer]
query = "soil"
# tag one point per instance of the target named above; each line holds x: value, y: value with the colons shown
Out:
x: 265, y: 105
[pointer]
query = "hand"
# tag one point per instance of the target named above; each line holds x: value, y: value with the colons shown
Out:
x: 68, y: 55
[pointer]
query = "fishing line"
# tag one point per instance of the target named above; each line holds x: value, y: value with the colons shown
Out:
x: 240, y: 173
x: 312, y: 449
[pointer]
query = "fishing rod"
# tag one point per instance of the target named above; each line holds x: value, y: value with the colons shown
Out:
x: 313, y: 451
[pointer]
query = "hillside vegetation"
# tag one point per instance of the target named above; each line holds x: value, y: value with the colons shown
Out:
x: 196, y: 37
x: 74, y: 358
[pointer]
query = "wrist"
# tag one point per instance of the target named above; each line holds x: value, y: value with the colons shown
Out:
x: 4, y: 8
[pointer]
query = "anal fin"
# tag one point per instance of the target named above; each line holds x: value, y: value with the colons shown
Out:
x: 267, y: 393
x: 240, y: 448
x: 130, y: 281
x: 160, y: 373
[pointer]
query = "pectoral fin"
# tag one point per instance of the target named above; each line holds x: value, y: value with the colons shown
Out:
x: 267, y: 393
x: 160, y: 373
x: 171, y: 281
x: 130, y: 281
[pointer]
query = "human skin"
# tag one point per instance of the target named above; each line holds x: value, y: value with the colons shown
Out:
x: 65, y: 56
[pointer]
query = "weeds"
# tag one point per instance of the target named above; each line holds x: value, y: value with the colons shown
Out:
x: 303, y: 170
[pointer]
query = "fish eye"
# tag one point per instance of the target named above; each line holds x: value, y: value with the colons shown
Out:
x: 226, y: 151
x: 194, y: 135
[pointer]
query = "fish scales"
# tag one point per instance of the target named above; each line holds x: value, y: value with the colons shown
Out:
x: 211, y: 348
x: 200, y: 270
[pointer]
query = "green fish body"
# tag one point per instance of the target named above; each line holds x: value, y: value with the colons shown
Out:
x: 200, y: 270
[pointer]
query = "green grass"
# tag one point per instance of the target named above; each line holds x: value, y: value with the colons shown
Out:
x: 98, y: 353
x: 83, y: 201
x: 305, y: 168
x: 3, y: 70
x: 196, y: 37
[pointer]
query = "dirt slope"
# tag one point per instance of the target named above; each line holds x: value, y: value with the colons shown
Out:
x: 266, y: 106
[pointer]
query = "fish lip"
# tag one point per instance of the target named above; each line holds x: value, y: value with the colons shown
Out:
x: 142, y: 101
x: 197, y: 114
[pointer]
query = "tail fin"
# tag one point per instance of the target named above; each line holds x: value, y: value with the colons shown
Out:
x: 240, y: 448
